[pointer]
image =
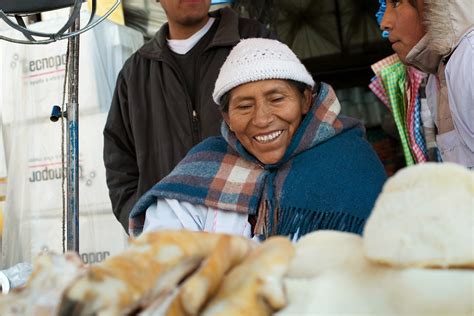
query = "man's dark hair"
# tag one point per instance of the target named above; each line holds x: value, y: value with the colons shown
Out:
x: 300, y: 86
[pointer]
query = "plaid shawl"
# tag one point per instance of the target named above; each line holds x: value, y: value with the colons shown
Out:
x: 221, y: 174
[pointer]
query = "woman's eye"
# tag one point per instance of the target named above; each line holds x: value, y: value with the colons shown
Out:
x: 244, y: 106
x: 277, y: 99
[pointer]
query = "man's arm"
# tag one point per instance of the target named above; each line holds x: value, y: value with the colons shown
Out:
x: 119, y: 155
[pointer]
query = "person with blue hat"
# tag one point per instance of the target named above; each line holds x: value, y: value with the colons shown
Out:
x: 437, y: 37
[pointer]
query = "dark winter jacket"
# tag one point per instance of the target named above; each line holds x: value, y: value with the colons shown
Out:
x: 152, y: 122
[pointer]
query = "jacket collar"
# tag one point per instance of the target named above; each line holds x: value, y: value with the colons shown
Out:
x: 423, y: 57
x: 447, y: 21
x: 227, y: 34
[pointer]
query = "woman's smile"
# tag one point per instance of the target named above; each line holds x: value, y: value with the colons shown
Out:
x: 268, y: 138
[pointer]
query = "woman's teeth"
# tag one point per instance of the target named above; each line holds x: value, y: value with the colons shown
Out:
x: 268, y: 138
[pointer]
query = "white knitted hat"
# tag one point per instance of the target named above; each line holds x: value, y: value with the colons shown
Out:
x: 257, y: 59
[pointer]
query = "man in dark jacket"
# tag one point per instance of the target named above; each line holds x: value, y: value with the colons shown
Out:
x: 162, y: 105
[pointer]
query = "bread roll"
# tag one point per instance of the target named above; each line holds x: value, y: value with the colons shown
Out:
x: 52, y: 274
x: 325, y: 249
x: 203, y: 284
x: 149, y: 270
x: 424, y: 217
x: 255, y: 288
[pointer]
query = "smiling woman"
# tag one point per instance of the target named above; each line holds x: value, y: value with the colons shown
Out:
x: 264, y: 116
x: 287, y: 163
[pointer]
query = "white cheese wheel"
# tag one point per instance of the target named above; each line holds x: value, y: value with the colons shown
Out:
x: 331, y: 276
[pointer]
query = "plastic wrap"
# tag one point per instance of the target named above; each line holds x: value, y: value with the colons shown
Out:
x: 31, y: 83
x: 15, y: 276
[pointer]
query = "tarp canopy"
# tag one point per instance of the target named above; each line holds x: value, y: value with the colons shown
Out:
x: 333, y: 36
x: 330, y: 36
x: 327, y: 27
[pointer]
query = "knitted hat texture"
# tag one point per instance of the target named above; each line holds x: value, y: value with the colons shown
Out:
x: 257, y: 59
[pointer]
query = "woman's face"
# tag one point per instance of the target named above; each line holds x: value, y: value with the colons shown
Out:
x: 264, y: 116
x: 404, y: 22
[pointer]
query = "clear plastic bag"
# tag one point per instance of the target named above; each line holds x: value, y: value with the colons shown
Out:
x: 31, y: 83
x: 15, y: 276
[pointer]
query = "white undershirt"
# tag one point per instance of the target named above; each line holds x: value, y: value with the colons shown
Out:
x: 182, y: 46
x: 173, y: 214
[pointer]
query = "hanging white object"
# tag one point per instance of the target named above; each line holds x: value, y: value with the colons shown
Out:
x: 33, y: 208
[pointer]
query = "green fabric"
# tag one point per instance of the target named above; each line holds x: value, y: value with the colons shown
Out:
x: 394, y: 81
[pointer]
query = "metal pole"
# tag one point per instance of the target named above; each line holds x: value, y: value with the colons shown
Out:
x: 72, y: 110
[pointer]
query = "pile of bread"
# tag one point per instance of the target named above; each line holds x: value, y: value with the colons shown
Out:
x: 162, y: 273
x: 415, y: 258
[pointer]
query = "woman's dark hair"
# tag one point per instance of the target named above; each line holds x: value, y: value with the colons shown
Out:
x: 300, y: 87
x: 413, y: 3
